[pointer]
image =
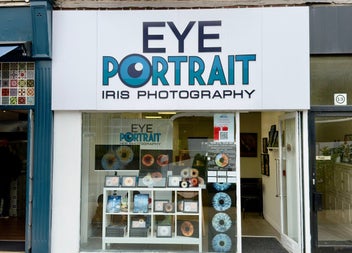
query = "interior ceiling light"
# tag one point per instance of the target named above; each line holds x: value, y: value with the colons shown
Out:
x: 152, y: 117
x: 167, y: 113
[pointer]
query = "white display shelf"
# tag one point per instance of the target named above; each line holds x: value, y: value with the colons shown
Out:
x: 175, y: 216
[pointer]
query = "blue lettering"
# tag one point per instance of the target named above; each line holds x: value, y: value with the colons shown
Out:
x: 196, y: 74
x: 107, y: 74
x: 177, y: 72
x: 245, y: 59
x: 217, y: 72
x: 159, y: 74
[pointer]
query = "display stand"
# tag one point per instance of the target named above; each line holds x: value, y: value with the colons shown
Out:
x: 132, y: 221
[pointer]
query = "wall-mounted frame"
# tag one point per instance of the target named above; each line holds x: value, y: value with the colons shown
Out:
x: 116, y: 157
x: 265, y: 168
x: 248, y: 144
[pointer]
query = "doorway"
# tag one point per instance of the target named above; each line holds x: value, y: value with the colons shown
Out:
x: 13, y: 142
x: 281, y: 220
x: 332, y: 181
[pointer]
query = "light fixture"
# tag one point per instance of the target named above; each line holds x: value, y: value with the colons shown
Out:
x: 167, y: 113
x: 152, y: 117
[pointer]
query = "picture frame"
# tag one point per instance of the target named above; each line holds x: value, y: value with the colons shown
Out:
x: 265, y: 168
x: 138, y: 223
x: 163, y: 231
x: 108, y: 157
x: 159, y: 205
x: 112, y: 181
x: 190, y: 206
x: 128, y: 181
x: 169, y: 207
x: 160, y: 182
x: 140, y: 202
x: 145, y: 181
x: 248, y: 144
x: 174, y: 181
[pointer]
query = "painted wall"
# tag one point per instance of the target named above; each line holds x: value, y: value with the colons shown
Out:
x: 251, y: 123
x: 271, y: 203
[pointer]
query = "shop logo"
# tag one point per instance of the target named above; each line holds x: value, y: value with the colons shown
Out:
x: 140, y: 133
x: 136, y: 70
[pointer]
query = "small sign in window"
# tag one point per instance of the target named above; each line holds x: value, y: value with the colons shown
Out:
x: 340, y: 99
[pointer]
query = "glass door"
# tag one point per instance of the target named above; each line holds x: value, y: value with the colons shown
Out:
x: 290, y: 175
x: 332, y: 182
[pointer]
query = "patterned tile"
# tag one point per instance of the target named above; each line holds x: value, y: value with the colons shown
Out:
x: 17, y: 81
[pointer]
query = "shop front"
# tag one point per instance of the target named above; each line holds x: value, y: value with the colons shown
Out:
x: 167, y: 129
x: 25, y: 126
x: 330, y: 127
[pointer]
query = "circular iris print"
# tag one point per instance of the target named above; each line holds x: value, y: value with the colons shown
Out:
x: 221, y: 201
x: 221, y: 243
x: 135, y: 70
x: 221, y: 222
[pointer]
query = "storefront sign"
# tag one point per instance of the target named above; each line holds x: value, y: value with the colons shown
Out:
x: 255, y: 58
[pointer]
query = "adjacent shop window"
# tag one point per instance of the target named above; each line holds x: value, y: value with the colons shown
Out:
x: 331, y: 80
x: 146, y: 182
x: 17, y: 83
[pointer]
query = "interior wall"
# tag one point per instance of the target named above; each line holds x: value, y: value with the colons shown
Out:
x: 271, y: 203
x: 251, y: 123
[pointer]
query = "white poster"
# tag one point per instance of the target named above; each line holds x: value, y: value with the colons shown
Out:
x: 138, y: 143
x: 224, y: 127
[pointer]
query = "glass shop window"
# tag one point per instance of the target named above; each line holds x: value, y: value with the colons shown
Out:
x: 144, y: 183
x: 330, y: 80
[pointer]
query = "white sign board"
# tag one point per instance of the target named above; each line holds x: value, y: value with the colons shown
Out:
x: 220, y: 59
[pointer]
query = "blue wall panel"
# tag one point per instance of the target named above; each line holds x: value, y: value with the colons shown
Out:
x: 42, y: 166
x: 15, y: 24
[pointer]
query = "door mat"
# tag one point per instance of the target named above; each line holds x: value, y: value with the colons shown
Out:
x: 262, y: 245
x: 12, y: 246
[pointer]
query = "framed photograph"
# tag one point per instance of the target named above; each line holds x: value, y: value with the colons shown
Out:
x: 112, y: 181
x: 139, y: 223
x: 248, y: 144
x: 140, y: 202
x: 163, y: 231
x: 159, y: 205
x: 169, y: 207
x: 190, y: 206
x: 129, y: 181
x: 159, y: 182
x: 174, y: 181
x: 145, y: 181
x: 265, y: 170
x: 116, y: 157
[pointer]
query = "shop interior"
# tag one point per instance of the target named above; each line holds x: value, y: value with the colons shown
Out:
x: 260, y: 214
x: 13, y: 135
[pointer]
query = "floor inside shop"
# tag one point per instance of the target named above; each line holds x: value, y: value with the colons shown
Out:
x: 253, y: 224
